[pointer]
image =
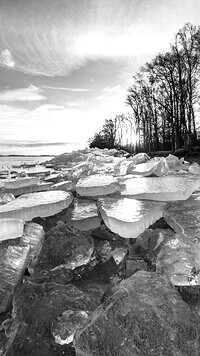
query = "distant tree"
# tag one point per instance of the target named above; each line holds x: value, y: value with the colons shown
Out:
x: 164, y: 95
x: 116, y: 133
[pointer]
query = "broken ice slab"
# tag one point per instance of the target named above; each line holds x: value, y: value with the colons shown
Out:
x: 41, y: 204
x: 13, y: 262
x: 17, y: 183
x: 33, y: 237
x: 128, y: 217
x: 121, y: 167
x: 11, y: 228
x: 194, y: 168
x: 143, y: 169
x: 152, y: 167
x: 6, y: 198
x: 65, y: 185
x: 172, y: 160
x: 141, y: 157
x: 184, y: 217
x: 179, y: 260
x: 166, y: 188
x: 97, y: 185
x: 83, y: 215
x: 41, y: 187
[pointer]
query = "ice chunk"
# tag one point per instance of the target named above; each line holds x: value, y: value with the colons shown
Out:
x: 64, y: 328
x: 83, y: 215
x: 184, y: 217
x: 178, y: 260
x: 6, y: 198
x: 97, y: 185
x: 29, y: 189
x: 11, y: 229
x: 194, y: 168
x: 20, y: 182
x: 141, y: 157
x: 66, y: 186
x: 172, y: 160
x: 33, y: 237
x: 152, y: 167
x: 167, y: 188
x: 144, y: 169
x: 13, y: 262
x: 42, y: 204
x: 128, y: 217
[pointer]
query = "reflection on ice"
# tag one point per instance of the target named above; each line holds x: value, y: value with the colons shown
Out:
x: 167, y: 188
x: 129, y: 217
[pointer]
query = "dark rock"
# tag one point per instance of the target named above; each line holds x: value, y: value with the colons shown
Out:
x: 134, y: 265
x: 146, y: 317
x: 36, y: 308
x: 103, y: 233
x: 150, y: 242
x: 66, y: 248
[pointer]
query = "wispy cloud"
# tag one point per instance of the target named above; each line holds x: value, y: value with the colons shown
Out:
x: 77, y: 103
x: 38, y: 37
x: 32, y: 93
x: 112, y: 90
x: 64, y: 88
x: 6, y: 58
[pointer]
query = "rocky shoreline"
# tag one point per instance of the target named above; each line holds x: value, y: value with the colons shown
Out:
x: 101, y: 256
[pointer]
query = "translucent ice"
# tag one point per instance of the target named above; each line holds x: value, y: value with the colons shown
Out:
x: 166, y: 188
x: 97, y: 185
x: 128, y: 217
x: 11, y: 229
x: 42, y: 204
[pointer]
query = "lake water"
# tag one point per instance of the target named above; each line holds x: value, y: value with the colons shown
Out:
x: 6, y: 163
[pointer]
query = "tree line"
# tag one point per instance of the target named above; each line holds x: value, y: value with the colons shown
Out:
x: 164, y: 101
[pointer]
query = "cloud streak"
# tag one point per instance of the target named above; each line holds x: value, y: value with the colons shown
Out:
x: 64, y: 88
x: 52, y: 38
x: 32, y: 93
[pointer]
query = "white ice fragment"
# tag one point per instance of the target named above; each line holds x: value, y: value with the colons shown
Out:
x: 11, y: 229
x: 97, y: 185
x: 42, y: 204
x: 167, y: 188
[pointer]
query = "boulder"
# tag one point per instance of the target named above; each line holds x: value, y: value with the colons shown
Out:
x: 66, y: 248
x: 97, y: 185
x: 146, y: 317
x: 167, y: 188
x: 37, y: 309
x: 129, y: 217
x: 150, y: 242
x: 42, y: 204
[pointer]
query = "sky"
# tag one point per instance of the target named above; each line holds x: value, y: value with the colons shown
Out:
x: 65, y: 65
